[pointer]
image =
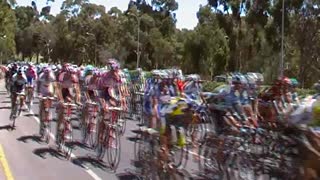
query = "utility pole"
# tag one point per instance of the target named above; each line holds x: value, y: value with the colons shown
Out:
x: 138, y: 52
x: 95, y: 47
x: 282, y: 43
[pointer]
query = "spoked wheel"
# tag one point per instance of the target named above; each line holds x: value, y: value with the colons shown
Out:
x: 89, y: 135
x: 46, y: 129
x: 61, y: 140
x: 209, y: 166
x: 244, y: 167
x: 101, y: 147
x: 122, y: 125
x: 179, y: 155
x: 13, y: 115
x: 114, y: 147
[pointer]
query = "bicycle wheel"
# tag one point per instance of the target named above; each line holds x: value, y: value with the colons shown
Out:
x: 13, y: 115
x: 101, y: 141
x: 114, y: 147
x: 179, y: 156
x: 90, y: 135
x: 20, y: 107
x: 101, y: 148
x: 208, y: 165
x: 122, y: 124
x: 84, y: 130
x: 47, y: 132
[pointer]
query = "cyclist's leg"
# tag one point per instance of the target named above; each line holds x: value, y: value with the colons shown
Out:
x: 13, y: 102
x: 60, y: 110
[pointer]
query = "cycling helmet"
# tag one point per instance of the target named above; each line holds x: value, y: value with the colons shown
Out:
x: 97, y: 73
x: 286, y: 81
x: 294, y: 82
x: 316, y: 86
x: 19, y: 72
x: 236, y: 79
x: 46, y: 70
x: 113, y: 64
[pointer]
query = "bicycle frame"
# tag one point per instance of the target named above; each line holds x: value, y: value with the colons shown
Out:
x: 45, y: 117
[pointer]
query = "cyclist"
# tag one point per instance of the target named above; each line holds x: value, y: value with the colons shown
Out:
x: 46, y: 85
x: 91, y: 84
x: 19, y: 81
x: 31, y: 74
x: 109, y: 84
x: 46, y: 82
x: 67, y: 84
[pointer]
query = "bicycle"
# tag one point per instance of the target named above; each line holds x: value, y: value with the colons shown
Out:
x: 8, y: 85
x: 109, y: 137
x: 45, y: 118
x: 88, y: 123
x: 16, y: 110
x: 29, y: 95
x: 65, y: 132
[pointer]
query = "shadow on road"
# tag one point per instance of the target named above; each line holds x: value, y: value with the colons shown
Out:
x: 35, y: 138
x: 31, y: 115
x: 5, y: 107
x: 133, y: 139
x: 6, y: 127
x: 42, y: 152
x: 83, y: 160
x: 3, y: 93
x: 74, y: 119
x: 73, y: 144
x: 128, y: 176
x: 6, y: 102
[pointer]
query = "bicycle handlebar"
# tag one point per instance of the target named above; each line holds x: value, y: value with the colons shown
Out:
x: 46, y: 97
x: 21, y: 94
x: 69, y: 104
x: 115, y: 108
x: 91, y: 103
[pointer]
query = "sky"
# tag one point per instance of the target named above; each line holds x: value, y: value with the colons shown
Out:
x: 186, y: 14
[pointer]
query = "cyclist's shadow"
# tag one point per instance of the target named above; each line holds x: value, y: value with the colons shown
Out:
x: 35, y: 138
x: 83, y: 160
x: 8, y: 127
x: 42, y: 152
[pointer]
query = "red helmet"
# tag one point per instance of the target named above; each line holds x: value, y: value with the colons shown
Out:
x: 286, y: 81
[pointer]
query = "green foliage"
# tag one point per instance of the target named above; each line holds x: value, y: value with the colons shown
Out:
x: 209, y: 86
x: 305, y: 92
x: 244, y: 36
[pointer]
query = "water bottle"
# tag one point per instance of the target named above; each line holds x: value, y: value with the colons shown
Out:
x: 182, y: 137
x: 173, y: 134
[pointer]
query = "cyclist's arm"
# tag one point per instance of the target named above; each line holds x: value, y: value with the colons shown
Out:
x: 78, y: 92
x: 58, y: 91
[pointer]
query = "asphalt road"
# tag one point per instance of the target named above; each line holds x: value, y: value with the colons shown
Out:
x: 28, y: 158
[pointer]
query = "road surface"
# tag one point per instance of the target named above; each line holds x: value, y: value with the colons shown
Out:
x: 24, y: 157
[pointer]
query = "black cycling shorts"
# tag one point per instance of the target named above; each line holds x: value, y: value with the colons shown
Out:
x: 65, y: 93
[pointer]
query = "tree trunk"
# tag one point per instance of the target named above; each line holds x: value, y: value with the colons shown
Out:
x: 37, y: 58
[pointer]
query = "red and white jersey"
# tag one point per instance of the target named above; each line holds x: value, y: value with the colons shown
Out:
x: 108, y: 79
x: 66, y: 80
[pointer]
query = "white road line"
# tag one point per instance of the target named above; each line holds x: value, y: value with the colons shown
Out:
x: 89, y: 171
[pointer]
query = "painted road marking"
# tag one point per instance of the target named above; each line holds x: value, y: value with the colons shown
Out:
x: 5, y: 164
x: 89, y: 171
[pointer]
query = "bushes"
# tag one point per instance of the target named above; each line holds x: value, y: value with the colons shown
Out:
x: 209, y: 86
x: 305, y: 92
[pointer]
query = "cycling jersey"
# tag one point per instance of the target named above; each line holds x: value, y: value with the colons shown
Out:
x: 67, y: 81
x: 108, y: 81
x: 31, y: 75
x: 46, y: 84
x: 18, y: 83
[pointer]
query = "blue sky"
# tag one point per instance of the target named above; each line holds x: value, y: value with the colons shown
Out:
x: 186, y: 14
